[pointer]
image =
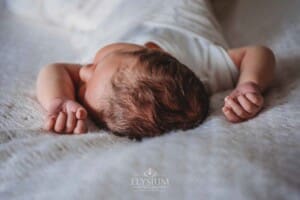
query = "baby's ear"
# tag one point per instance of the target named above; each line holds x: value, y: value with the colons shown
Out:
x: 152, y: 45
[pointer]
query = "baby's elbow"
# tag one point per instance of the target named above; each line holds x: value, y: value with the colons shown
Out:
x: 46, y: 71
x: 268, y: 53
x: 48, y: 67
x: 269, y: 57
x: 269, y: 60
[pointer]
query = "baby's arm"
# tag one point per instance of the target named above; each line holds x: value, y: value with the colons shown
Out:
x: 56, y: 85
x: 256, y: 65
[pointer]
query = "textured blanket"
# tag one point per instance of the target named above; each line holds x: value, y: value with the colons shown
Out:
x: 256, y: 159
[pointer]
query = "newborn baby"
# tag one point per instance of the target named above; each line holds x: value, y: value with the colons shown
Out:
x: 156, y: 80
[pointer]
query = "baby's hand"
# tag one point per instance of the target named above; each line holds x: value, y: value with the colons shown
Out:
x: 243, y: 103
x: 66, y: 116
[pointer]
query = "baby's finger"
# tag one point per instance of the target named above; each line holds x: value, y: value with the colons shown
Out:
x: 80, y: 127
x: 49, y: 124
x: 60, y: 122
x: 81, y: 113
x: 71, y: 122
x: 237, y: 109
x: 256, y: 99
x: 230, y: 115
x: 247, y: 105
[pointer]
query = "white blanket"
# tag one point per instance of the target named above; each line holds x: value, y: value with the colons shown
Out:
x: 257, y: 159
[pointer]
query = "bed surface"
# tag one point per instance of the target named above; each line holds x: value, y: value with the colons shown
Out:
x: 257, y: 159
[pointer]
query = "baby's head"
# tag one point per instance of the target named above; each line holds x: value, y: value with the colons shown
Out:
x: 139, y: 91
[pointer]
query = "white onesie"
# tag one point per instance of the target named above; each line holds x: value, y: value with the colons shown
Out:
x: 189, y: 32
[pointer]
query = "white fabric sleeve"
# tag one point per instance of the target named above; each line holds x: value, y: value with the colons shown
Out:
x: 233, y: 69
x: 223, y: 73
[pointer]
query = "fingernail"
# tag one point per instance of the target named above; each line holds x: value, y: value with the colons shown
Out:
x: 226, y: 98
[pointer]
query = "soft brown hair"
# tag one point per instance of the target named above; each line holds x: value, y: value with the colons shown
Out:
x: 156, y: 97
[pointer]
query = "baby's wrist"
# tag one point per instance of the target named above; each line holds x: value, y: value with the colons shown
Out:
x: 57, y: 104
x: 54, y: 104
x: 250, y: 86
